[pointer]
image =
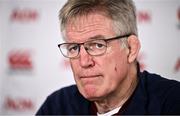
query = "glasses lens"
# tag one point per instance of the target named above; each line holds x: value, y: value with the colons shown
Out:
x: 96, y: 47
x: 69, y: 50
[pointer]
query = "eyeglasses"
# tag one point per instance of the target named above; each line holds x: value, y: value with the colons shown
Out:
x: 93, y: 47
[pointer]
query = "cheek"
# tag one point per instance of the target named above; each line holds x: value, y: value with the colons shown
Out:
x: 74, y: 67
x: 115, y: 67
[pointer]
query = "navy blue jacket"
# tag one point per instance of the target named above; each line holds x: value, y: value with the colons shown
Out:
x: 153, y: 95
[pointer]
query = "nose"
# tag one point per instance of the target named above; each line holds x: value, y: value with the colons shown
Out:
x: 85, y: 59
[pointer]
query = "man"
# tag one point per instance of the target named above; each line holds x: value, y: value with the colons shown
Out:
x: 102, y: 45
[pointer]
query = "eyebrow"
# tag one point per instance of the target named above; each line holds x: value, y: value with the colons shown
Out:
x: 97, y: 37
x: 91, y: 38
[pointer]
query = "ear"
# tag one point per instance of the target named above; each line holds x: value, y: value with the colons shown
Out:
x: 134, y: 47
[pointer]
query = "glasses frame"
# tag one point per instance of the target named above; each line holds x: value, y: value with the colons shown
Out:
x: 79, y: 44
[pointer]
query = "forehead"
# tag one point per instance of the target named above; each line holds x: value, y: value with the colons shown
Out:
x: 84, y: 27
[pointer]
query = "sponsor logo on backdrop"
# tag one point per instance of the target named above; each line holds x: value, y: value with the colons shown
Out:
x: 20, y: 60
x: 178, y: 17
x: 141, y: 58
x: 144, y: 16
x: 18, y: 104
x: 24, y: 15
x: 177, y: 65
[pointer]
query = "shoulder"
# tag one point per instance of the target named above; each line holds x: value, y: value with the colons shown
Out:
x: 157, y: 83
x: 64, y: 92
x: 166, y: 92
x: 63, y: 101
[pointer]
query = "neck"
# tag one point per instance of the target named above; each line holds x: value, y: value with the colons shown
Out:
x: 123, y: 93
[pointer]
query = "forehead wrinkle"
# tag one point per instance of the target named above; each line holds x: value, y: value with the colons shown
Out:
x: 93, y: 37
x: 84, y: 27
x: 82, y: 22
x: 80, y: 28
x: 80, y: 33
x: 88, y: 29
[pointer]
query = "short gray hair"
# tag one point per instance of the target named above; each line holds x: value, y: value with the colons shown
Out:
x: 121, y: 12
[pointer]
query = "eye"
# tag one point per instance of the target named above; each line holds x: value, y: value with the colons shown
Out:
x: 97, y: 45
x: 72, y: 48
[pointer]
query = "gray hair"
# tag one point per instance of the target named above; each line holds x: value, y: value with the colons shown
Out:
x: 121, y: 12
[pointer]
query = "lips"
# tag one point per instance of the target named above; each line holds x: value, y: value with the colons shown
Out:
x: 90, y: 76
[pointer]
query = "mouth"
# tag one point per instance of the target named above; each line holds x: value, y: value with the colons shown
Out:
x: 90, y: 79
x: 89, y: 76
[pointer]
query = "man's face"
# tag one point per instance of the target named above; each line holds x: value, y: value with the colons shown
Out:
x: 97, y: 77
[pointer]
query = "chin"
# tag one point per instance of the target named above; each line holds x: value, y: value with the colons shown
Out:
x: 92, y: 97
x: 91, y: 93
